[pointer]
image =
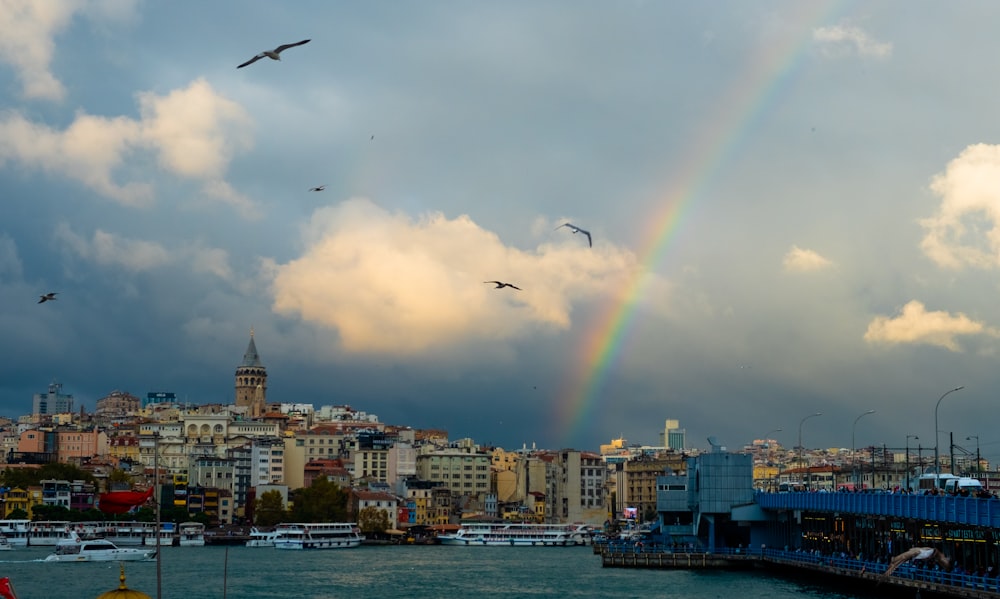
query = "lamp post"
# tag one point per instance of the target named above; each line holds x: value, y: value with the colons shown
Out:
x: 976, y: 437
x: 801, y: 422
x: 854, y: 461
x: 915, y: 438
x: 937, y: 455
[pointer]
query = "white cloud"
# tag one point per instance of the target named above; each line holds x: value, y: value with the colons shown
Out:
x: 193, y: 131
x: 113, y: 250
x: 10, y: 262
x: 915, y: 325
x: 389, y: 283
x: 966, y: 229
x: 27, y: 32
x: 800, y: 260
x: 846, y: 39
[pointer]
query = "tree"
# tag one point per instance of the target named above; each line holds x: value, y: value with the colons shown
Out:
x: 372, y: 520
x: 324, y: 501
x: 27, y: 477
x: 269, y: 509
x: 18, y: 514
x: 118, y: 478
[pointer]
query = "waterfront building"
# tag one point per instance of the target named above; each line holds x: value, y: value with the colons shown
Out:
x: 383, y: 502
x: 461, y: 469
x: 56, y: 493
x: 267, y: 461
x: 402, y: 462
x: 78, y: 446
x: 21, y: 499
x: 52, y: 402
x: 251, y: 381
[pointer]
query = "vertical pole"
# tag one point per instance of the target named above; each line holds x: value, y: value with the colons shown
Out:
x: 156, y: 493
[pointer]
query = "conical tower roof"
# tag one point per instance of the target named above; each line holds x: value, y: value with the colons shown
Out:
x: 251, y: 357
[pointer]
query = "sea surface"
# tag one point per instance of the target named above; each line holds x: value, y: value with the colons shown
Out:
x: 421, y: 572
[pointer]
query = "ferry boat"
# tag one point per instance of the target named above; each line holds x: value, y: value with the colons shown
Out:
x: 16, y: 531
x: 48, y: 533
x: 130, y: 533
x: 260, y: 538
x: 518, y: 535
x: 166, y: 535
x: 317, y: 535
x: 191, y: 534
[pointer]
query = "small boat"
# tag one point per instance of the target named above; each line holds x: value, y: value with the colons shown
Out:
x: 191, y: 534
x: 97, y: 550
x: 5, y: 544
x: 260, y: 538
x: 317, y: 535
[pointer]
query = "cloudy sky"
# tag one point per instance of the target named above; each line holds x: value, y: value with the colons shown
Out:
x: 793, y: 209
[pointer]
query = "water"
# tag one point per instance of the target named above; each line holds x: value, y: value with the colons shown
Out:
x: 421, y: 572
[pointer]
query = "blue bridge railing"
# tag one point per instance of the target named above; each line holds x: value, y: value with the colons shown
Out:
x: 972, y: 511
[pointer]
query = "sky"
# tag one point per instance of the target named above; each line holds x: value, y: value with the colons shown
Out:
x: 793, y: 207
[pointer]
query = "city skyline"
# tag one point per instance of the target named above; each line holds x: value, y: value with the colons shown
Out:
x: 792, y: 209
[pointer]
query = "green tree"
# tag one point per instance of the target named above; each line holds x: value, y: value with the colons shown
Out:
x: 26, y: 477
x: 18, y: 514
x: 324, y: 501
x: 118, y: 478
x: 50, y: 512
x: 372, y: 520
x: 269, y: 509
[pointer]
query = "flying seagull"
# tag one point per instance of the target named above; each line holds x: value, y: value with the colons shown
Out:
x: 272, y: 54
x: 919, y: 554
x: 577, y: 229
x: 47, y: 297
x: 318, y: 188
x: 501, y: 285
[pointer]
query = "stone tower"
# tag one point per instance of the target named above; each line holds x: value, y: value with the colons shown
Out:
x: 251, y: 381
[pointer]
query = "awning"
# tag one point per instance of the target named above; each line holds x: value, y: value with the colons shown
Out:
x: 395, y: 532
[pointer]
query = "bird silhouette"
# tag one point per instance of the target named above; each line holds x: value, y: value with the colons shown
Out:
x: 318, y: 188
x: 272, y: 54
x: 501, y: 285
x: 576, y: 229
x: 48, y: 297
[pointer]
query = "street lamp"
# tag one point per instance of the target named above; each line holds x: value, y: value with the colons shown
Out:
x: 801, y: 422
x: 915, y: 438
x: 976, y: 437
x: 937, y: 455
x: 854, y: 461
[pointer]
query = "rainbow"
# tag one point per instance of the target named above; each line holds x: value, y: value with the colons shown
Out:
x: 721, y: 137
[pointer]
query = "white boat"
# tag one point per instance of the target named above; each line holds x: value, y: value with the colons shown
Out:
x: 16, y: 531
x: 48, y: 533
x: 317, y: 535
x: 97, y: 550
x: 260, y: 538
x: 166, y: 535
x: 5, y: 544
x: 518, y: 535
x: 191, y: 534
x: 130, y: 533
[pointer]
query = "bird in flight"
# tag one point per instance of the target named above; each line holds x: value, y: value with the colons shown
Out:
x: 47, y: 297
x: 272, y: 54
x: 577, y: 229
x: 318, y: 188
x: 501, y: 285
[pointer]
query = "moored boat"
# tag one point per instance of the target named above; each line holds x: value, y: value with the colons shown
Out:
x: 518, y: 535
x: 261, y: 538
x: 16, y: 531
x: 191, y: 534
x: 317, y: 535
x: 5, y: 544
